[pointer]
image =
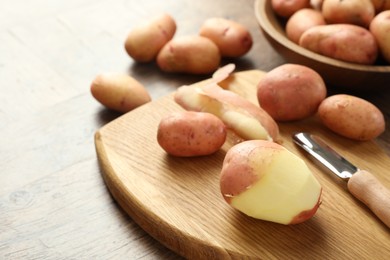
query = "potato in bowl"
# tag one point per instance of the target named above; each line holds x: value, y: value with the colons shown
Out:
x: 340, y: 74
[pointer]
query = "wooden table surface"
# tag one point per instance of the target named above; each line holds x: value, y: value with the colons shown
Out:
x: 53, y: 201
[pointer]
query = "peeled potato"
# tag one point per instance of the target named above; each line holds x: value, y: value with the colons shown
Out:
x: 119, y: 92
x: 264, y: 180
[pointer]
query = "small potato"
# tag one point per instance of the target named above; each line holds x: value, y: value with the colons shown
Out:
x: 358, y: 12
x: 232, y: 38
x: 351, y: 117
x: 380, y: 28
x: 302, y: 20
x: 119, y: 92
x: 291, y: 92
x: 144, y: 42
x: 344, y: 42
x: 188, y: 133
x: 189, y: 54
x: 286, y: 8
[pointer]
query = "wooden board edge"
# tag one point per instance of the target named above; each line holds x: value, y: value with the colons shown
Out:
x: 178, y: 243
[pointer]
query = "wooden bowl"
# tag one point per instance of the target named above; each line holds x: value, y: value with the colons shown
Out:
x: 338, y: 74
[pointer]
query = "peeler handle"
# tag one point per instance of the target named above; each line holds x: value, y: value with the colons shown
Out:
x: 367, y: 188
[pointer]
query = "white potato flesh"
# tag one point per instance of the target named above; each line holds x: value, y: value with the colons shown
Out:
x: 235, y: 118
x: 286, y: 189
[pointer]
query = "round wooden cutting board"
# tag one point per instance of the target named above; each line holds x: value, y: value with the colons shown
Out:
x: 178, y: 201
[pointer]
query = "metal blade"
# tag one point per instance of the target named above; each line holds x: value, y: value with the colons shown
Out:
x: 325, y: 154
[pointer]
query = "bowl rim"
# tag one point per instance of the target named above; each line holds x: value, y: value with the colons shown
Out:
x: 263, y: 18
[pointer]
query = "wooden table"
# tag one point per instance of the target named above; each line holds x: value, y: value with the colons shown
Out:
x: 53, y: 201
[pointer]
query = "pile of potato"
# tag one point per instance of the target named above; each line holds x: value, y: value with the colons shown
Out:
x: 259, y: 177
x: 155, y: 41
x: 194, y: 54
x: 294, y: 92
x: 288, y: 93
x: 355, y: 31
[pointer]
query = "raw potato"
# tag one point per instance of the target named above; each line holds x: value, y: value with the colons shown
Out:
x: 291, y: 92
x: 380, y: 28
x: 239, y: 114
x: 302, y: 20
x: 189, y: 54
x: 381, y: 5
x: 344, y: 42
x: 352, y: 117
x: 286, y: 8
x: 188, y: 133
x: 119, y: 92
x: 232, y: 38
x: 144, y: 42
x: 264, y: 180
x: 358, y: 12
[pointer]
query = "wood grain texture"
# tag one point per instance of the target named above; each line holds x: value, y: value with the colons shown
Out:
x: 53, y: 201
x: 177, y: 200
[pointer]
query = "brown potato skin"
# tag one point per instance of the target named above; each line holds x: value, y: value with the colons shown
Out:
x: 145, y: 41
x: 346, y: 42
x: 302, y: 20
x: 188, y: 134
x: 232, y: 38
x: 381, y: 5
x: 351, y: 117
x: 236, y: 175
x: 239, y: 102
x: 286, y: 8
x: 119, y: 92
x: 358, y: 12
x: 291, y: 92
x: 380, y: 28
x: 189, y: 54
x: 316, y: 4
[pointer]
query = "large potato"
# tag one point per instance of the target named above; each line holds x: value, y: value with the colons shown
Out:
x: 380, y: 28
x: 119, y: 92
x: 344, y: 42
x: 264, y: 180
x: 286, y: 8
x: 189, y: 54
x: 359, y: 12
x: 188, y: 133
x: 145, y: 41
x: 232, y: 38
x: 291, y: 92
x: 302, y: 20
x: 352, y: 117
